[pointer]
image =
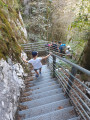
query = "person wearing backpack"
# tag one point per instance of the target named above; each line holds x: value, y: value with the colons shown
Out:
x: 54, y: 47
x: 62, y: 48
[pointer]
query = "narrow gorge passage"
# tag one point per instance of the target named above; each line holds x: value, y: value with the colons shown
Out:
x: 44, y: 99
x: 34, y: 25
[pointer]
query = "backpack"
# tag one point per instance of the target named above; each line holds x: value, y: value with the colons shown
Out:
x: 62, y: 48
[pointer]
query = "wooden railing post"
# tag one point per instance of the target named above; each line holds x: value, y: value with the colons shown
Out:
x: 71, y: 80
x: 54, y: 65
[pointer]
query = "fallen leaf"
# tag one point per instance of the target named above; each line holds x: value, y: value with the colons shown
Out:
x: 60, y: 107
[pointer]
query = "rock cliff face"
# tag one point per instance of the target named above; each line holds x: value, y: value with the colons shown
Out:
x: 36, y: 17
x: 11, y: 83
x: 12, y: 30
x: 64, y: 13
x: 12, y: 33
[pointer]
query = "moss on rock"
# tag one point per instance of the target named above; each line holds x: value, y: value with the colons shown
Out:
x: 10, y: 32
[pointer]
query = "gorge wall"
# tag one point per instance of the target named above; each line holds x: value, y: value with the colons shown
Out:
x: 12, y: 72
x: 36, y: 15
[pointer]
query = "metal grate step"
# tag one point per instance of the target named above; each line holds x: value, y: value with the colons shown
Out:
x: 63, y: 114
x: 58, y: 105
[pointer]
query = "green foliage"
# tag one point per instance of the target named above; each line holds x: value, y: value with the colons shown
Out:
x: 82, y: 21
x: 10, y: 32
x: 80, y: 28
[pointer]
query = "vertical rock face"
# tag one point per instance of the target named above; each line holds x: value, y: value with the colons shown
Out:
x: 11, y: 82
x: 36, y: 17
x: 23, y: 29
x: 12, y: 29
x: 12, y: 33
x: 85, y: 60
x: 62, y: 17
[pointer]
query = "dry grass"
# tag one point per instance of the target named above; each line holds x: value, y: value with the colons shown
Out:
x: 20, y: 117
x: 27, y: 86
x: 22, y: 107
x: 26, y: 94
x: 25, y: 99
x: 72, y: 112
x: 27, y: 90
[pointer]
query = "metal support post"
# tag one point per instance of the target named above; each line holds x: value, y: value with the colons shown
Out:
x: 71, y: 80
x: 54, y: 65
x: 48, y: 57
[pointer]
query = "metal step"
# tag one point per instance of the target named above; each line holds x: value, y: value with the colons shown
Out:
x: 47, y: 100
x: 45, y: 68
x: 45, y: 94
x: 63, y: 114
x: 44, y: 85
x: 38, y: 80
x: 40, y: 90
x: 58, y: 105
x: 44, y: 100
x: 75, y: 118
x: 41, y: 83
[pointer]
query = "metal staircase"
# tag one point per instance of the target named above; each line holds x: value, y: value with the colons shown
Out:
x: 59, y: 93
x: 48, y: 101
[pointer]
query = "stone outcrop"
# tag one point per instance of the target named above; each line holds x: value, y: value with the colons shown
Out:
x: 11, y: 83
x: 12, y: 33
x: 12, y: 30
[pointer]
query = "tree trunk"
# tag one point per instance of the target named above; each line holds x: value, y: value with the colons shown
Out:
x: 85, y: 59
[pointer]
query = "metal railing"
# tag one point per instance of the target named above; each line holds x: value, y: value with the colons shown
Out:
x: 36, y: 46
x: 69, y: 76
